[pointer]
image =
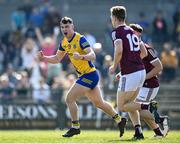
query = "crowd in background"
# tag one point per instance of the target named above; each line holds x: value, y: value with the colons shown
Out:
x: 36, y: 28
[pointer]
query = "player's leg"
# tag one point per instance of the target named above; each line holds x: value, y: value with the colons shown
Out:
x: 128, y: 89
x: 122, y: 99
x: 135, y: 118
x: 95, y: 96
x: 129, y: 86
x: 75, y: 91
x: 159, y: 132
x: 146, y: 95
x: 127, y: 92
x: 152, y: 124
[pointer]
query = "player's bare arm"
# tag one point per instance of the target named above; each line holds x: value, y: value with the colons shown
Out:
x: 156, y: 70
x: 117, y: 55
x: 52, y: 59
x: 90, y: 55
x: 143, y: 50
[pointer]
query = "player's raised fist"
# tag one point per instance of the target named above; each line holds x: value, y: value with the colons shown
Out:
x: 76, y: 55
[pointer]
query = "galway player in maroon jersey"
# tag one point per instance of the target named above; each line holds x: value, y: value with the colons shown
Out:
x: 150, y: 87
x: 127, y: 54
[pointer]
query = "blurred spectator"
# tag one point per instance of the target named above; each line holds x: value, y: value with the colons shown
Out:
x: 17, y: 40
x: 27, y: 8
x: 70, y: 80
x: 142, y: 20
x: 90, y: 38
x: 177, y: 36
x: 48, y: 43
x: 7, y: 92
x: 23, y: 86
x: 11, y: 49
x: 18, y: 19
x: 170, y: 62
x: 29, y: 31
x: 107, y: 79
x: 176, y: 20
x: 1, y: 61
x: 51, y: 20
x: 36, y: 17
x: 108, y: 38
x: 65, y: 62
x: 57, y: 88
x: 160, y: 33
x: 145, y: 24
x: 70, y: 69
x: 2, y: 57
x: 41, y: 92
x: 28, y: 53
x: 100, y: 54
x: 12, y: 75
x: 53, y: 71
x: 176, y: 16
x: 67, y: 83
x: 48, y: 47
x: 35, y: 73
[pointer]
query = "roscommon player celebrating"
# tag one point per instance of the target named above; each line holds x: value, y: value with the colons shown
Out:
x: 81, y: 56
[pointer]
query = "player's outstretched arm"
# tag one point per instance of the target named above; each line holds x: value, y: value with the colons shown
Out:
x: 52, y: 59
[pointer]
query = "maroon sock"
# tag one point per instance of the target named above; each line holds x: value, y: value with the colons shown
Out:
x: 157, y: 131
x: 138, y: 130
x: 144, y: 106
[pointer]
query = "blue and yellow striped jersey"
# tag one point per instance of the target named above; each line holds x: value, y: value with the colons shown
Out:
x: 78, y: 43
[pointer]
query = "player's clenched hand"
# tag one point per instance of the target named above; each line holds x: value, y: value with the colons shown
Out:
x: 112, y: 69
x: 40, y: 55
x: 117, y: 77
x: 77, y: 56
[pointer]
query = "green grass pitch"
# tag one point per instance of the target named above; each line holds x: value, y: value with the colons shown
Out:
x: 86, y: 136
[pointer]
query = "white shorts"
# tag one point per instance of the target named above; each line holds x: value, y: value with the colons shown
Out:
x: 132, y: 81
x: 147, y: 94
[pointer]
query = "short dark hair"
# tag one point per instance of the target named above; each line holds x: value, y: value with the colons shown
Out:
x: 119, y: 12
x: 66, y: 20
x: 136, y: 27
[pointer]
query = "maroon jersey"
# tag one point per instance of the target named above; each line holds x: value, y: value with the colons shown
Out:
x: 131, y: 60
x: 152, y: 56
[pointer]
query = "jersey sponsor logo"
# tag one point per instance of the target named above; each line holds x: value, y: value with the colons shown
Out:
x: 87, y: 81
x: 85, y: 44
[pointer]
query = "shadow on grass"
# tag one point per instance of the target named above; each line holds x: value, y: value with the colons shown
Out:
x: 122, y: 140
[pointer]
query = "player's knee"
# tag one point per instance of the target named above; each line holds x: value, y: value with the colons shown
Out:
x: 68, y: 100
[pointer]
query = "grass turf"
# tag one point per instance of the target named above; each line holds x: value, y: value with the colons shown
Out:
x: 86, y: 136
